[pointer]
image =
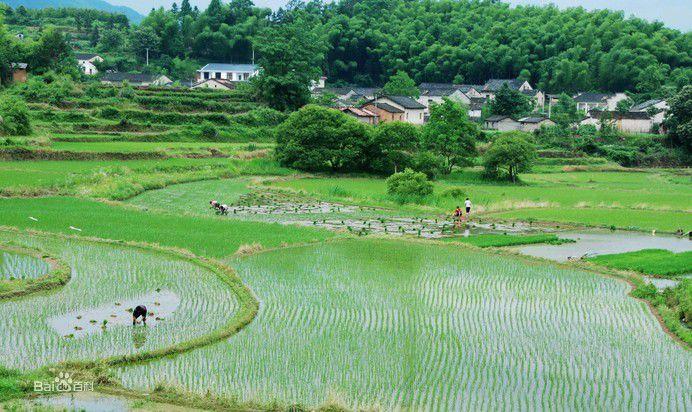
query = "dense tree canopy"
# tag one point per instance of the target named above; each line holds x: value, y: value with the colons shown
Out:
x: 468, y: 41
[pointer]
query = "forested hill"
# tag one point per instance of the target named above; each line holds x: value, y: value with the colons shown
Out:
x: 77, y: 4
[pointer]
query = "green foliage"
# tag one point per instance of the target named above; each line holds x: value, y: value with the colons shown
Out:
x: 450, y: 134
x: 510, y: 102
x: 315, y: 138
x: 393, y: 146
x: 564, y: 112
x: 679, y: 119
x: 49, y: 88
x: 400, y: 84
x: 52, y: 52
x: 14, y: 117
x: 433, y: 165
x: 649, y: 261
x: 291, y: 55
x: 509, y: 155
x: 208, y: 131
x: 409, y: 186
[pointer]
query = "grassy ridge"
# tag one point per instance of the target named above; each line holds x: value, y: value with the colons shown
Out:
x: 58, y: 275
x: 649, y: 261
x: 493, y: 240
x: 201, y: 235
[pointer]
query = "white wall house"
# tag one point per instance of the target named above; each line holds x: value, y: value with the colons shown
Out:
x: 658, y: 107
x: 629, y: 122
x: 492, y: 86
x: 86, y: 62
x: 502, y: 123
x: 226, y: 71
x: 603, y: 101
x: 530, y: 124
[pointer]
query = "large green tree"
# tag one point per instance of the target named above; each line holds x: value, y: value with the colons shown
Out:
x: 401, y: 84
x: 564, y: 112
x: 450, y: 134
x: 509, y: 155
x: 393, y: 146
x: 510, y: 102
x: 679, y: 119
x: 320, y: 139
x: 292, y: 55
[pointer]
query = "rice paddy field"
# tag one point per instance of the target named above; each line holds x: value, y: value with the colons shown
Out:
x: 399, y: 325
x: 104, y: 278
x: 15, y: 265
x: 347, y: 298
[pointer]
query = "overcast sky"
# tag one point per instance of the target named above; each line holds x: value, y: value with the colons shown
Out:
x: 675, y: 13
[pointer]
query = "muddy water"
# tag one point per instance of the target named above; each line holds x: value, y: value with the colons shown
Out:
x: 602, y: 243
x: 85, y: 322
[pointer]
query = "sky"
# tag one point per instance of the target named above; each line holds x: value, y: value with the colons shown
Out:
x: 674, y: 13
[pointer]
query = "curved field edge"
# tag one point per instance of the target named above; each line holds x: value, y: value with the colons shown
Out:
x: 666, y: 319
x: 58, y: 275
x: 248, y: 303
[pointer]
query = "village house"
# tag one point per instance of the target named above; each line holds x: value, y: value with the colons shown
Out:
x: 18, y: 72
x: 467, y: 94
x: 536, y: 96
x: 656, y: 108
x: 501, y: 123
x: 86, y: 62
x: 414, y: 112
x: 136, y: 79
x: 384, y: 112
x: 476, y: 107
x: 364, y: 115
x: 532, y: 123
x: 603, y: 101
x: 628, y: 122
x: 227, y: 71
x: 492, y: 86
x: 219, y: 84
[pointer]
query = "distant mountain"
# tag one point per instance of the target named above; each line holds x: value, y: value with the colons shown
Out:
x: 79, y: 4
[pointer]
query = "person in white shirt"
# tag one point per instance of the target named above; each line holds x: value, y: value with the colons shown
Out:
x: 467, y: 203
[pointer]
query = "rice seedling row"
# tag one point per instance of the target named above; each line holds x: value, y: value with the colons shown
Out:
x: 15, y: 265
x: 85, y: 320
x: 399, y: 325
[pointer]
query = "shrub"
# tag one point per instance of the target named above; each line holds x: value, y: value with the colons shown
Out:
x: 14, y: 117
x: 408, y: 186
x: 208, y: 131
x: 109, y: 112
x: 454, y: 193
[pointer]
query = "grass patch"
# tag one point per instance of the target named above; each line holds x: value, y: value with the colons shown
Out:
x: 58, y: 274
x: 649, y: 261
x: 205, y: 236
x: 500, y: 240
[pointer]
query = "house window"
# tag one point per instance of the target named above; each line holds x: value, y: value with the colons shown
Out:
x: 218, y: 75
x: 206, y: 75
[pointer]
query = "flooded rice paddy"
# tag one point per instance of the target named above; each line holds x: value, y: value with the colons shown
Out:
x: 103, y: 275
x: 427, y: 327
x: 591, y: 243
x: 21, y: 266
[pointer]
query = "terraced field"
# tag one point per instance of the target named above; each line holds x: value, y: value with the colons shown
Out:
x: 389, y: 324
x: 20, y: 266
x: 106, y: 279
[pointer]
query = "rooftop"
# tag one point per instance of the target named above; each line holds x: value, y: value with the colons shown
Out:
x: 229, y: 67
x: 536, y: 119
x: 643, y: 106
x: 597, y: 114
x: 384, y: 106
x: 497, y: 118
x: 494, y: 85
x: 592, y: 97
x: 405, y: 102
x: 130, y: 77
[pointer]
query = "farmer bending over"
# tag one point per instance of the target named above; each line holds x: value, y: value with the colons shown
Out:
x: 140, y: 310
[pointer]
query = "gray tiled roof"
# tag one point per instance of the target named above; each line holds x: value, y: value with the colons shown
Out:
x: 386, y: 107
x: 645, y: 105
x: 405, y: 102
x: 494, y: 85
x: 592, y: 97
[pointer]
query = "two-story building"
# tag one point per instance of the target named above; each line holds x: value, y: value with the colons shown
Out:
x: 602, y: 101
x: 86, y: 62
x: 227, y: 71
